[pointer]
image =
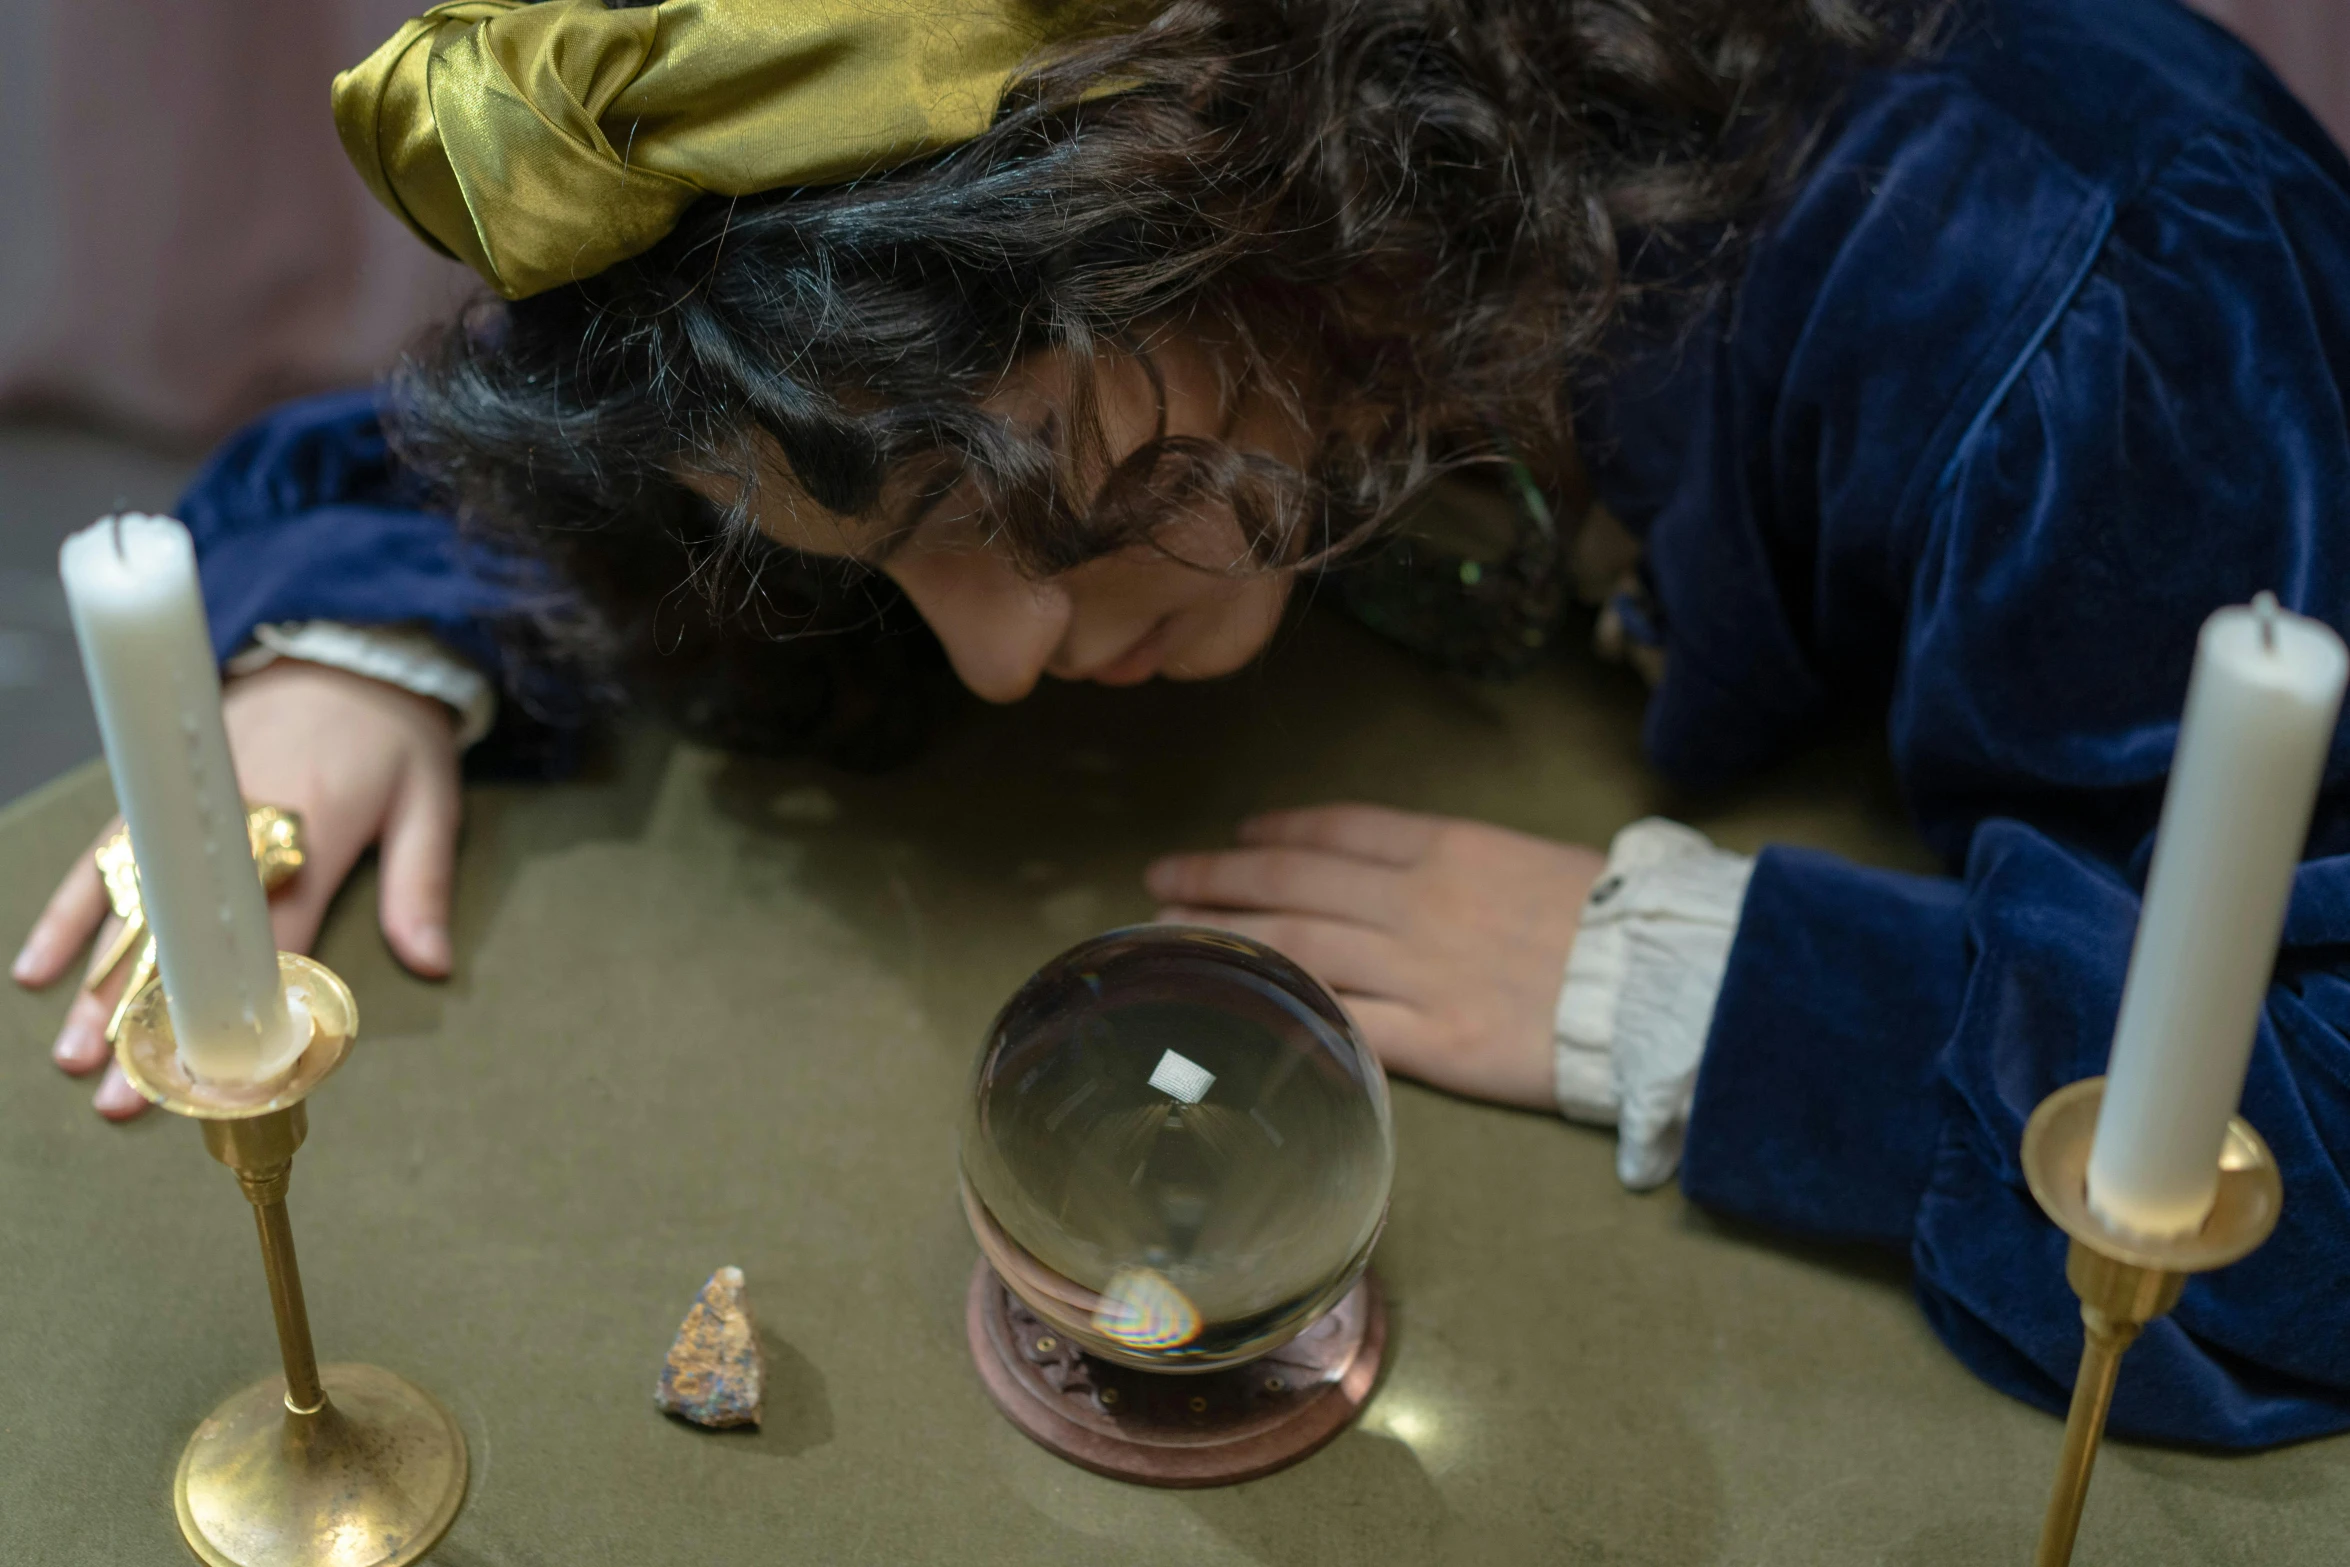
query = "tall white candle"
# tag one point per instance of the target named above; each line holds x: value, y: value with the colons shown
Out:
x: 2261, y: 707
x: 138, y: 614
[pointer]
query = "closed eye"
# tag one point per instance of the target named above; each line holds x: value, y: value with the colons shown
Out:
x: 926, y: 503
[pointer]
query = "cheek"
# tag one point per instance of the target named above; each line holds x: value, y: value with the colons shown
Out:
x: 1232, y: 628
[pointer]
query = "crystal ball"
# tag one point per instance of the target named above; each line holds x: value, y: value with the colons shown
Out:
x: 1178, y: 1151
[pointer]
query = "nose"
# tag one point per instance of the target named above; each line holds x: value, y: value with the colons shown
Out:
x: 999, y: 628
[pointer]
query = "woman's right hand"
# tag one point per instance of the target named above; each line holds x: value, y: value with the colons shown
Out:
x: 362, y: 762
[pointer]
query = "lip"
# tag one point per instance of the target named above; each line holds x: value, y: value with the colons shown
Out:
x: 1138, y: 663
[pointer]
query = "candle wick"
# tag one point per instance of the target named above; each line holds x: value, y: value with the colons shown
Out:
x: 2264, y: 609
x: 119, y: 552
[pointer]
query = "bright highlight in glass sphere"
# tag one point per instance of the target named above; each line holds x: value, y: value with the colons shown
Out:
x: 1178, y: 1151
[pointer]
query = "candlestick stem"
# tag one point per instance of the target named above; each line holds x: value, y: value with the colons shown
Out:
x: 2125, y: 1281
x: 253, y: 1149
x: 2104, y: 1339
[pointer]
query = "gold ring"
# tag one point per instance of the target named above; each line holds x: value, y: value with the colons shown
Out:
x: 275, y: 834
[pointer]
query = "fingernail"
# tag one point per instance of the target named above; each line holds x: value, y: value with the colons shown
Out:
x: 116, y: 1099
x: 1159, y: 878
x: 432, y: 948
x: 28, y: 961
x: 78, y: 1042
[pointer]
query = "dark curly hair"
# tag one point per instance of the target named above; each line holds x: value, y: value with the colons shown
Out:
x: 1440, y: 209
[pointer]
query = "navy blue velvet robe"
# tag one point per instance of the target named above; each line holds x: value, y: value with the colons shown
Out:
x: 2045, y: 362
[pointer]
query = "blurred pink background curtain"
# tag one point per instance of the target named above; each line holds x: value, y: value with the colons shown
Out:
x: 181, y: 241
x: 2307, y: 42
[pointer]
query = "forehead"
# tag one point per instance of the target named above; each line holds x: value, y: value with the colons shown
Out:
x: 785, y: 513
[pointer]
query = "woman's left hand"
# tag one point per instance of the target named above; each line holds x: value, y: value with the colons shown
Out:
x: 1445, y: 940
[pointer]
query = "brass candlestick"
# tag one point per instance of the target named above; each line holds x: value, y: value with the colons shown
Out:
x: 2125, y: 1281
x: 275, y: 835
x: 342, y: 1464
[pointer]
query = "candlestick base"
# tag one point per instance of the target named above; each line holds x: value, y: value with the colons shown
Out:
x: 323, y: 1466
x: 2125, y: 1281
x: 371, y: 1478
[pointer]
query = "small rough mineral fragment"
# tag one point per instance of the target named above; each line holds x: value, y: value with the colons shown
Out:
x: 716, y: 1374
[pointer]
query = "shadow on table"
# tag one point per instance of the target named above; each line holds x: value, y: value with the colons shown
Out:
x: 1394, y: 1489
x: 1367, y: 1498
x: 1876, y: 1267
x: 799, y: 1411
x: 507, y: 827
x: 2292, y: 1475
x: 2304, y: 1472
x: 1026, y: 828
x: 1363, y: 1498
x: 1078, y: 772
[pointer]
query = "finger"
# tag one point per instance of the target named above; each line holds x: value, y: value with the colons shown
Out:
x: 299, y: 908
x: 81, y: 1046
x: 74, y: 910
x: 116, y: 1099
x: 419, y: 862
x: 1304, y: 881
x: 1367, y: 832
x: 331, y: 847
x: 1343, y: 956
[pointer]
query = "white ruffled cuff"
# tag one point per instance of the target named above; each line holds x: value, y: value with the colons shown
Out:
x: 1640, y: 987
x: 396, y: 655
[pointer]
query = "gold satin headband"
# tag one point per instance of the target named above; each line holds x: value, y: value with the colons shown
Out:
x: 541, y: 143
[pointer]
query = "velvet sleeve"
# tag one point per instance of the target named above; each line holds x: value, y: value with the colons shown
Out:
x: 2172, y: 437
x: 303, y: 515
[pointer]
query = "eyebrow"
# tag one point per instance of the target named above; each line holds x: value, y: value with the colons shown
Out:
x: 926, y: 500
x: 902, y: 533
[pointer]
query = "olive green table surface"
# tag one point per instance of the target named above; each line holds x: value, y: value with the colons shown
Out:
x: 709, y: 1011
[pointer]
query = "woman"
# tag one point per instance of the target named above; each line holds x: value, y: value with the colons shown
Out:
x: 1949, y: 372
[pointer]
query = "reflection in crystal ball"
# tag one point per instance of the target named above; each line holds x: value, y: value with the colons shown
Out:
x: 1178, y: 1152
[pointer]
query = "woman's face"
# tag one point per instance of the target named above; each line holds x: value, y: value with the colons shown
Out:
x: 1190, y: 607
